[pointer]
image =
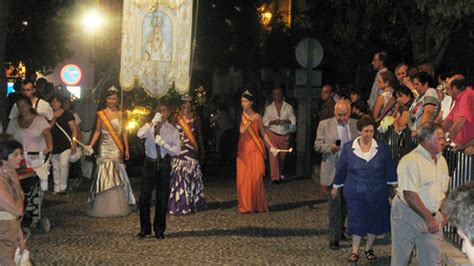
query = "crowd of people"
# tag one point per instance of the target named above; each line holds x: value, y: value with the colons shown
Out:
x: 359, y: 175
x: 361, y: 181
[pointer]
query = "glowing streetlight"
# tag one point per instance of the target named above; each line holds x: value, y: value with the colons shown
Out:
x: 92, y: 21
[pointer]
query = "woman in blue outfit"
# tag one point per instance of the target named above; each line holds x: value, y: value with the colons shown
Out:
x: 365, y: 170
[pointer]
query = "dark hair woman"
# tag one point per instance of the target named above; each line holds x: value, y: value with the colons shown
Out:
x: 111, y: 192
x: 250, y: 155
x: 32, y: 131
x: 11, y: 202
x: 63, y: 147
x: 365, y: 170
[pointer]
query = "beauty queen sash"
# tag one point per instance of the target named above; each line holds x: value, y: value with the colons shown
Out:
x: 108, y: 125
x: 187, y: 132
x: 252, y: 133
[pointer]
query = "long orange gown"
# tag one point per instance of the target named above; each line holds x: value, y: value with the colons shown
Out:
x: 250, y: 172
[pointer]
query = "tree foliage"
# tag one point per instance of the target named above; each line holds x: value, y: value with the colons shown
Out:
x: 230, y: 34
x: 38, y: 32
x: 422, y: 29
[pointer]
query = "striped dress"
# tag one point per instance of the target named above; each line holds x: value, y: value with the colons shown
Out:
x: 186, y: 187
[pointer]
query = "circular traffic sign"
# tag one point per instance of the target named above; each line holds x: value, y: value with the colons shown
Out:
x: 71, y: 74
x: 309, y: 53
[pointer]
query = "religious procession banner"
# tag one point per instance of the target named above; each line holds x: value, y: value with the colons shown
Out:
x: 156, y: 45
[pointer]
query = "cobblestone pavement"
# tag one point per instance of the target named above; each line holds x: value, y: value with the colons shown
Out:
x: 291, y: 233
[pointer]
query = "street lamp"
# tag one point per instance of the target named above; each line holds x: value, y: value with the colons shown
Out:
x: 92, y: 21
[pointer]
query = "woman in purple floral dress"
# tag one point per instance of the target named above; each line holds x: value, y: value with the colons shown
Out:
x: 186, y: 187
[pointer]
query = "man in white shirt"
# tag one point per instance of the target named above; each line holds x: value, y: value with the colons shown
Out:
x: 158, y: 169
x: 379, y: 63
x: 279, y: 121
x: 42, y: 107
x: 417, y: 216
x: 150, y: 172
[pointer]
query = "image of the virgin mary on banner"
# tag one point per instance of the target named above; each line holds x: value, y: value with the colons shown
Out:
x: 157, y: 37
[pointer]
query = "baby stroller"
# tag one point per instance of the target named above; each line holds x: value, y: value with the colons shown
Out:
x: 30, y: 184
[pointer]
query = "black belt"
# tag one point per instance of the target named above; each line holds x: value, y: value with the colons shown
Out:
x: 150, y: 159
x: 281, y: 135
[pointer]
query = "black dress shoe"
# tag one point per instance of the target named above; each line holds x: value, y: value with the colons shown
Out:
x: 142, y: 234
x: 276, y: 182
x: 334, y: 245
x: 160, y: 236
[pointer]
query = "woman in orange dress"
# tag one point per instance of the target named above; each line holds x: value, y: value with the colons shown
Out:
x: 250, y: 160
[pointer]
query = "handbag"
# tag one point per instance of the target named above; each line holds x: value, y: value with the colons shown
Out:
x: 22, y: 258
x: 74, y: 156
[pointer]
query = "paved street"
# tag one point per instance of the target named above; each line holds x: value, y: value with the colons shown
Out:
x: 291, y: 233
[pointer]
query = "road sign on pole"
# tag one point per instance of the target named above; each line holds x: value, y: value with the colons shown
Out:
x: 71, y: 74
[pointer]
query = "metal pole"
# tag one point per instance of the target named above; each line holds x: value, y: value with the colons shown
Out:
x: 193, y: 42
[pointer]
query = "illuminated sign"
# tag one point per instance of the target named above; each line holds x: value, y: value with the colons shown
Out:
x: 71, y: 74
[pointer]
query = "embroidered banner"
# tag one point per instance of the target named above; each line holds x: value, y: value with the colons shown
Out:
x: 156, y: 45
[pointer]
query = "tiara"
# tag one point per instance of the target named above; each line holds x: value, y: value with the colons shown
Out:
x: 113, y: 88
x: 247, y: 92
x: 186, y: 97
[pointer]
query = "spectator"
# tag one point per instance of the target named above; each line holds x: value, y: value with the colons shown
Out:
x: 327, y: 108
x: 279, y: 121
x: 379, y: 63
x: 331, y: 135
x: 360, y: 109
x: 48, y: 91
x: 40, y: 86
x: 32, y: 131
x: 402, y: 115
x: 401, y: 71
x: 41, y: 106
x: 460, y: 210
x: 224, y: 133
x: 427, y: 68
x: 408, y: 80
x: 62, y: 146
x: 86, y: 112
x: 15, y: 95
x: 365, y: 169
x: 417, y: 217
x: 355, y: 95
x: 426, y: 106
x: 385, y: 100
x: 460, y: 122
x: 11, y: 202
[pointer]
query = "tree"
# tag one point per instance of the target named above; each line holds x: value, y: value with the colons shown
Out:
x: 38, y: 33
x: 425, y: 28
x: 3, y: 82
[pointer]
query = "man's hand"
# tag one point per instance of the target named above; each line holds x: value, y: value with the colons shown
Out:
x: 127, y: 155
x: 432, y: 224
x: 334, y: 192
x: 335, y: 148
x: 445, y: 219
x: 156, y: 119
x: 159, y: 140
x: 469, y: 150
x: 274, y: 151
x: 88, y: 150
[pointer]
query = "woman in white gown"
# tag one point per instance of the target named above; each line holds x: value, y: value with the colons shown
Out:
x: 111, y: 194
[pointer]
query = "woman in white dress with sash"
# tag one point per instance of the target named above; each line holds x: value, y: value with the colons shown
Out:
x: 111, y: 194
